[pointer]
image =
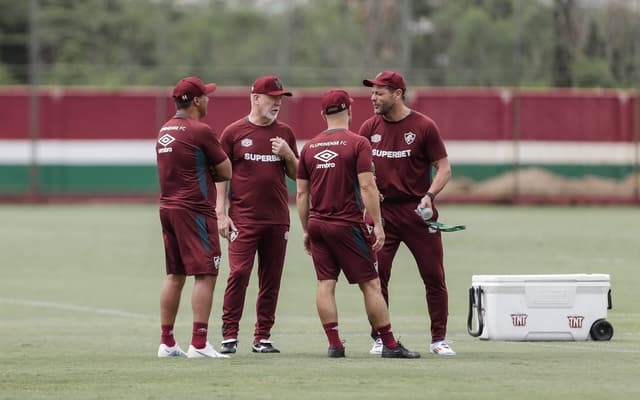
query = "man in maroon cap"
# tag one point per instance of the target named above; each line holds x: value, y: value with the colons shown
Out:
x: 263, y: 153
x: 190, y: 161
x: 335, y: 170
x: 406, y: 146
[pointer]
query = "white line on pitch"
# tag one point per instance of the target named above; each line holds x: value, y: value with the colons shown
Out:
x: 72, y: 307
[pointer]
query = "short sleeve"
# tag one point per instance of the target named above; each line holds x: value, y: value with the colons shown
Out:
x: 365, y: 161
x: 226, y: 141
x: 291, y: 141
x: 435, y: 148
x: 302, y: 173
x: 211, y: 146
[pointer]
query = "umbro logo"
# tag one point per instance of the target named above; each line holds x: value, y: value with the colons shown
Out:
x: 326, y: 155
x: 166, y: 139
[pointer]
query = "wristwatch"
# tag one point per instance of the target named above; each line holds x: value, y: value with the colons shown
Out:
x: 431, y: 196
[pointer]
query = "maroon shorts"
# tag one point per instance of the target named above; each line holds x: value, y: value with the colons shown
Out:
x: 191, y: 243
x: 337, y: 246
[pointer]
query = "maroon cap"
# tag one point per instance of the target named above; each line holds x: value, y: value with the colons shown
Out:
x: 191, y: 87
x: 270, y: 85
x: 335, y: 101
x: 387, y: 78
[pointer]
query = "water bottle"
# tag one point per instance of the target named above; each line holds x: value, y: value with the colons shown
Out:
x: 425, y: 212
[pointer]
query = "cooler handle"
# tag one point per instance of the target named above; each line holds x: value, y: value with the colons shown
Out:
x: 609, y: 303
x: 473, y: 294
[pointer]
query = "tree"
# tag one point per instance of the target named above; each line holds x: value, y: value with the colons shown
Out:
x: 562, y: 50
x: 14, y: 39
x: 595, y: 46
x: 114, y: 43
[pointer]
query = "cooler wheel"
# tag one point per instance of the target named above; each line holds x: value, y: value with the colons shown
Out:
x: 601, y: 330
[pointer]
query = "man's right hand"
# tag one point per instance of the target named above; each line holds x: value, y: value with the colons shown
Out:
x: 378, y: 231
x: 225, y: 225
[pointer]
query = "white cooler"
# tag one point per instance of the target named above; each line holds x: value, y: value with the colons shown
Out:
x: 540, y: 307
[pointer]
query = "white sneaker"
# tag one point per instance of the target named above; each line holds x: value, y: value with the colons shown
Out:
x: 206, y: 352
x: 166, y: 351
x: 442, y: 348
x: 376, y: 350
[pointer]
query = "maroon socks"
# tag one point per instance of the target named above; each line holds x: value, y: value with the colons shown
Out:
x: 331, y: 330
x: 167, y: 335
x: 387, y: 336
x: 199, y: 335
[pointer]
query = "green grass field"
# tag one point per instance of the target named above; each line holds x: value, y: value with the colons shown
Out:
x: 79, y: 313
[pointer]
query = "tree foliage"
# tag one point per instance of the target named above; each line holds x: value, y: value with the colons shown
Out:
x: 114, y: 43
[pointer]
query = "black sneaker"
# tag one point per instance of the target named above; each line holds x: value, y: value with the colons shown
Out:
x: 264, y: 346
x: 335, y: 352
x: 228, y: 346
x: 399, y: 352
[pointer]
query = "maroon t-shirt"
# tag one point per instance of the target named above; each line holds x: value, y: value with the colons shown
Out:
x: 258, y: 187
x: 185, y: 151
x: 331, y: 161
x: 403, y: 152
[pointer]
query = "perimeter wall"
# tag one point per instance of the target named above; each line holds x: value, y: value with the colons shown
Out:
x: 505, y: 145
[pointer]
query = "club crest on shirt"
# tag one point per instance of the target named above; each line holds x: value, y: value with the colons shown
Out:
x: 233, y: 235
x: 409, y: 137
x: 376, y: 138
x: 246, y: 142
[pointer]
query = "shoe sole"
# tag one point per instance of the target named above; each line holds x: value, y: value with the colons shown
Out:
x: 444, y: 354
x: 202, y: 355
x: 265, y: 351
x: 400, y: 356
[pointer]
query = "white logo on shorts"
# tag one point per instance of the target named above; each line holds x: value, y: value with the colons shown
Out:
x: 233, y: 235
x: 369, y: 228
x: 246, y: 142
x: 216, y: 262
x: 286, y: 235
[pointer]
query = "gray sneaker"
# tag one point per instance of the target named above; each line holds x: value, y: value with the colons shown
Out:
x: 264, y: 346
x: 229, y: 346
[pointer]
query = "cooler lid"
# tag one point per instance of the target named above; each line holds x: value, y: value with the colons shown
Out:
x: 542, y: 278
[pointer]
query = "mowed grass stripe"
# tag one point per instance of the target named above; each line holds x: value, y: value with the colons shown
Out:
x: 110, y: 257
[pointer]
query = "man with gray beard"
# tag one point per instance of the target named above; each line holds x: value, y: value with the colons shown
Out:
x: 263, y: 152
